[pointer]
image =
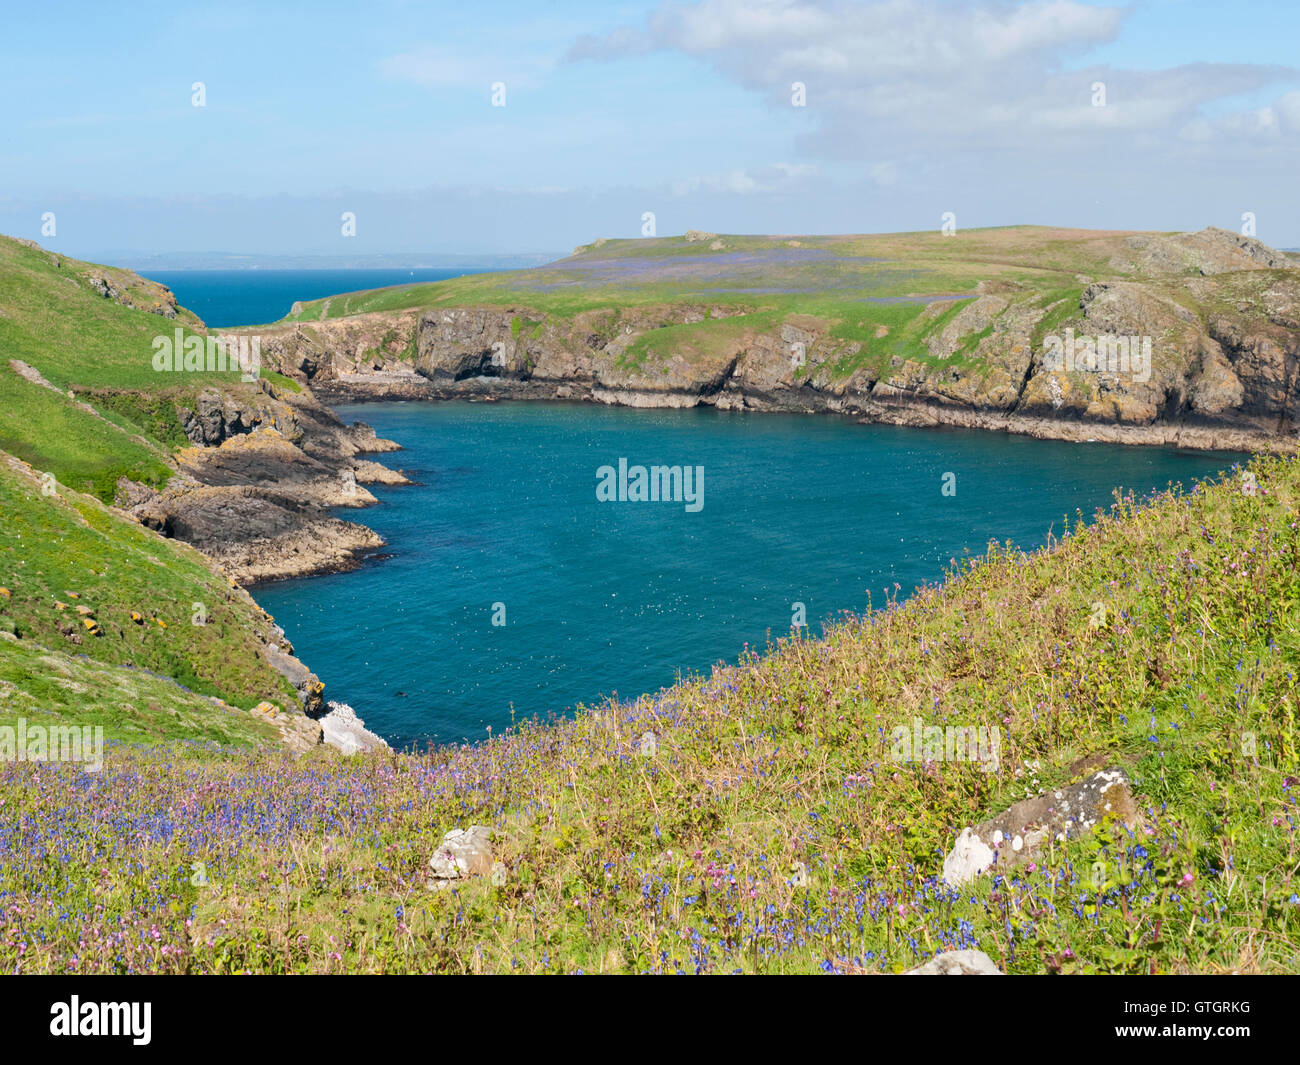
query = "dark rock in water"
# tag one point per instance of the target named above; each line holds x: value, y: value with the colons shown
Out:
x: 1021, y: 832
x: 253, y: 495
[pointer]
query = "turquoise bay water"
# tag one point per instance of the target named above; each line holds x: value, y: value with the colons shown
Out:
x: 621, y: 596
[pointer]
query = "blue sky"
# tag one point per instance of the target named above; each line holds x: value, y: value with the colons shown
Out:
x: 611, y: 110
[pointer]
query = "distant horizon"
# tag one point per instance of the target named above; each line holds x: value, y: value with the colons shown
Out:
x: 195, y: 261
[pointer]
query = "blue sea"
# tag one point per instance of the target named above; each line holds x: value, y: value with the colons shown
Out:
x: 224, y: 298
x: 596, y: 598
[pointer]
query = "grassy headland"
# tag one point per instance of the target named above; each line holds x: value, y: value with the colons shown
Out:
x: 911, y: 328
x: 97, y: 612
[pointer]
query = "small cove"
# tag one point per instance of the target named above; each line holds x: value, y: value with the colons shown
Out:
x: 603, y: 597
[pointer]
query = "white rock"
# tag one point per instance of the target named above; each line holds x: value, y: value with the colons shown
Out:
x: 463, y: 852
x: 957, y: 963
x: 345, y: 731
x: 969, y: 857
x: 649, y: 745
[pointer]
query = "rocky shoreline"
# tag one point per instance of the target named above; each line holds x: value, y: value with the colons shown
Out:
x: 908, y: 413
x: 254, y: 494
x: 1222, y: 377
x: 255, y: 491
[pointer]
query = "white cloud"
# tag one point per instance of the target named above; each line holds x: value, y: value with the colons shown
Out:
x: 1288, y: 111
x: 928, y: 79
x: 738, y: 182
x: 883, y: 174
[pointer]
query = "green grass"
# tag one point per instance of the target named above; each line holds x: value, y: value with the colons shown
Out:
x: 53, y: 434
x: 54, y: 545
x: 49, y: 688
x: 905, y: 263
x: 78, y: 339
x: 697, y: 340
x: 280, y: 381
x: 57, y: 538
x: 52, y: 319
x: 1061, y: 305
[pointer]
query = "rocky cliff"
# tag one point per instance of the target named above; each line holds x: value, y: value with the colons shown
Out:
x: 254, y: 491
x: 1219, y: 314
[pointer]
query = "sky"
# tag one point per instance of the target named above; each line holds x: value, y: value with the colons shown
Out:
x: 510, y: 127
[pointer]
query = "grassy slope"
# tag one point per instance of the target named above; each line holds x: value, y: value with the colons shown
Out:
x: 52, y: 319
x: 883, y: 266
x: 51, y: 544
x: 771, y: 832
x: 54, y: 545
x: 131, y: 705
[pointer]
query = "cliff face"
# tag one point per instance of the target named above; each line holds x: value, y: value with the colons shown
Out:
x: 254, y: 492
x: 1215, y: 315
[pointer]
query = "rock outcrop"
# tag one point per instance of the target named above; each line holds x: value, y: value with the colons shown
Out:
x: 957, y: 963
x: 342, y: 729
x: 464, y: 853
x: 255, y: 538
x: 255, y: 491
x: 1211, y: 251
x: 142, y: 295
x: 297, y: 731
x: 1020, y: 833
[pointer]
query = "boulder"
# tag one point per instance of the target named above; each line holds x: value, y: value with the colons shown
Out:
x: 1020, y: 833
x: 957, y: 963
x: 462, y: 853
x: 969, y: 857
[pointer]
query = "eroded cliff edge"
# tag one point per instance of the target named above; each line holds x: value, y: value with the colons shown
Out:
x: 1220, y: 312
x: 255, y: 489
